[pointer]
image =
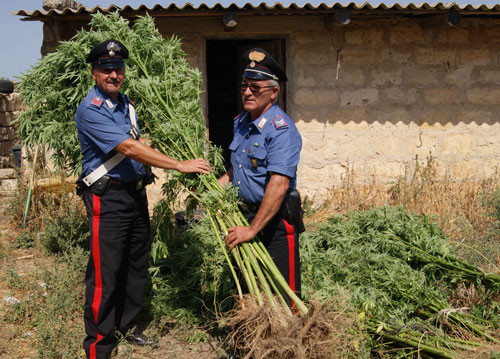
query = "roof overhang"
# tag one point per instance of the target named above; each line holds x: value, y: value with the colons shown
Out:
x: 249, y: 9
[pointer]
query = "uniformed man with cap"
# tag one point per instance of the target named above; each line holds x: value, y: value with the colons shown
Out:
x: 264, y: 156
x: 112, y: 185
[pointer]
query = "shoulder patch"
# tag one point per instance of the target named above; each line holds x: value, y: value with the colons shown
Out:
x: 279, y: 121
x: 97, y: 101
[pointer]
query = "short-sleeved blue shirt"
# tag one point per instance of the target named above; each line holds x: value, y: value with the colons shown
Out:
x: 271, y: 143
x: 102, y: 125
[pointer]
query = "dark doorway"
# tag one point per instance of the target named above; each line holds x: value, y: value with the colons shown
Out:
x: 224, y: 69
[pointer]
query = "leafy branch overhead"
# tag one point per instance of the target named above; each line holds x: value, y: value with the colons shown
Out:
x: 159, y: 80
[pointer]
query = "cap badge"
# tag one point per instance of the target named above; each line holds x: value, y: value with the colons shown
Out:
x: 252, y: 64
x: 256, y: 56
x: 113, y: 47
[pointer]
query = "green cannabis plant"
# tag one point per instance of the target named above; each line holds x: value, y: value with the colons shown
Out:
x: 409, y: 288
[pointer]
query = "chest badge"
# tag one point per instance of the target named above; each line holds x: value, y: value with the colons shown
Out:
x: 254, y: 163
x: 262, y: 122
x: 110, y: 104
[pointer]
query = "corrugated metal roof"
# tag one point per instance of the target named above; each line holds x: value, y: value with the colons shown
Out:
x: 277, y: 6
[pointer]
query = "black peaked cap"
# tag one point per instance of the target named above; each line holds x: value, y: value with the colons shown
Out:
x: 108, y: 54
x: 260, y: 65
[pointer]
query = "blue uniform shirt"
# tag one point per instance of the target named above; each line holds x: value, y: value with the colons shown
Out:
x: 102, y: 125
x: 271, y: 143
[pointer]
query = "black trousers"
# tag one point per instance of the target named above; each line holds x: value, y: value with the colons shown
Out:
x: 282, y: 242
x: 117, y: 268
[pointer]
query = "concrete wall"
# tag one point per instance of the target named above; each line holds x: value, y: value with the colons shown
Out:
x: 402, y: 89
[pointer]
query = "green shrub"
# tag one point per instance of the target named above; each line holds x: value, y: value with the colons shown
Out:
x: 193, y: 282
x: 24, y: 240
x: 69, y: 229
x: 61, y: 216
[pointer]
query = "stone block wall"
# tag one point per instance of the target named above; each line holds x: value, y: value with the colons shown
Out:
x: 400, y: 90
x: 9, y: 181
x: 10, y: 106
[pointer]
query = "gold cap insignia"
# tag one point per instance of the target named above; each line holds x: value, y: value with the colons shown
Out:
x: 252, y: 64
x: 256, y: 56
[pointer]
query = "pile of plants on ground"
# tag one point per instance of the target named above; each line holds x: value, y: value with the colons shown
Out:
x: 379, y: 279
x: 408, y: 287
x: 384, y: 282
x: 466, y: 209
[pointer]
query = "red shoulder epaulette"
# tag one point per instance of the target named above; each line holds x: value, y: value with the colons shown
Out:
x: 132, y: 102
x: 97, y: 101
x: 279, y: 121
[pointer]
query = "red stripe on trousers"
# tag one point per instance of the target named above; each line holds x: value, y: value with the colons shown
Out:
x: 92, y: 347
x: 96, y: 256
x: 291, y: 256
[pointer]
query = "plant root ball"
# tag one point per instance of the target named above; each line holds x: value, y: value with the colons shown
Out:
x: 327, y: 331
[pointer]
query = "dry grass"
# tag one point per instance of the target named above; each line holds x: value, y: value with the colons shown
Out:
x: 457, y: 203
x: 487, y: 351
x: 469, y: 295
x: 421, y: 190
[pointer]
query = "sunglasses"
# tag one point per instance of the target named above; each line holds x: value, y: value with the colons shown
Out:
x: 255, y: 88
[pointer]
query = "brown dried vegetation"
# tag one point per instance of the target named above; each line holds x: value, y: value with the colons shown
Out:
x: 424, y: 188
x: 327, y: 331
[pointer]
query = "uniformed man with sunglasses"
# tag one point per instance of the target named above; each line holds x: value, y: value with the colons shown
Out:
x: 112, y: 185
x: 264, y: 156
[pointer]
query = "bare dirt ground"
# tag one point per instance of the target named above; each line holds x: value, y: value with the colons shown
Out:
x: 18, y: 342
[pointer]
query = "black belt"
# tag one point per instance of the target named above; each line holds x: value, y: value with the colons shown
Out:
x: 127, y: 186
x: 246, y: 207
x: 249, y: 207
